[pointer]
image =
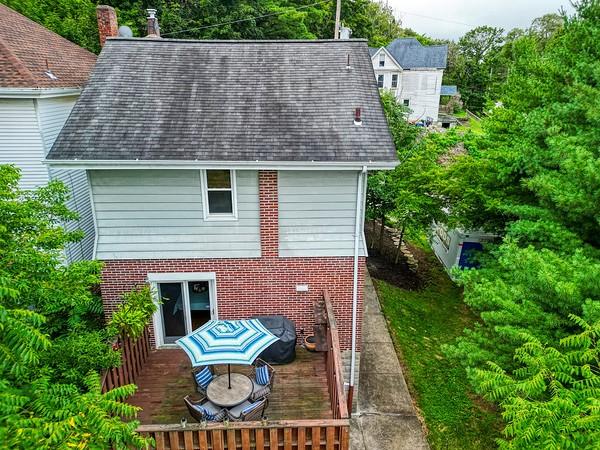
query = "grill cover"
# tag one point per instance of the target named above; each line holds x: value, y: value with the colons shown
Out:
x: 284, y: 350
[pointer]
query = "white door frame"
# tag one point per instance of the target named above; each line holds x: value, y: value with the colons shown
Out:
x: 183, y: 278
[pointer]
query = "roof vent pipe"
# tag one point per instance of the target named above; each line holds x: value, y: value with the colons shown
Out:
x: 153, y: 28
x: 357, y: 117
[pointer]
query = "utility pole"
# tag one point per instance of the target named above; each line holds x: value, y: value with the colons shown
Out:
x: 338, y: 13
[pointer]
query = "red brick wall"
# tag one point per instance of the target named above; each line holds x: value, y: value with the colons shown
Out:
x: 269, y: 213
x: 107, y: 22
x: 253, y: 286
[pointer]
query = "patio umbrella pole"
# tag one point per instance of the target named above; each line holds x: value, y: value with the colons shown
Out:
x: 229, y: 374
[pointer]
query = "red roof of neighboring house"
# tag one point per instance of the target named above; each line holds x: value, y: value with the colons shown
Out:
x: 28, y: 51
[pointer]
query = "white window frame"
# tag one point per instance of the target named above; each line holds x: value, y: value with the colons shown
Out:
x: 382, y: 81
x: 394, y: 75
x: 382, y: 59
x: 154, y: 279
x: 406, y: 102
x: 205, y: 209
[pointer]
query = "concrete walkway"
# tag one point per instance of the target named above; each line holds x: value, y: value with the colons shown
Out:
x: 385, y: 418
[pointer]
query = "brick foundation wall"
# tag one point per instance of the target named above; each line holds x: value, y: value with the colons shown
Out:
x: 254, y: 286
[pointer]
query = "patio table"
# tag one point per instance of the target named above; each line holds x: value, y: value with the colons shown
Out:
x: 219, y: 393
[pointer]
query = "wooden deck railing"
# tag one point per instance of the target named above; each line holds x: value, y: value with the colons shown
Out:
x: 335, y: 379
x: 133, y: 358
x: 329, y: 434
x: 317, y: 434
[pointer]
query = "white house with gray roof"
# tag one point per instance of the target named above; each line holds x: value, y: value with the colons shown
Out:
x: 231, y: 176
x: 413, y: 72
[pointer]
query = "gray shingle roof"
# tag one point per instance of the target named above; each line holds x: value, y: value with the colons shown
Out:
x: 165, y: 99
x: 411, y: 54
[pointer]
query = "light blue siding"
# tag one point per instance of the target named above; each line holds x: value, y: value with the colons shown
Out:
x: 317, y: 213
x: 28, y: 128
x: 53, y: 113
x: 21, y: 141
x: 152, y: 214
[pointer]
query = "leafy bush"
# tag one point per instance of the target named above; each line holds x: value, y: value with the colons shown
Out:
x: 51, y: 415
x: 132, y: 316
x: 524, y: 291
x: 552, y: 401
x: 48, y: 335
x: 32, y: 240
x: 73, y: 356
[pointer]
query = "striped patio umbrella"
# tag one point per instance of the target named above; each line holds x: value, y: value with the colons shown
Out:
x: 227, y: 342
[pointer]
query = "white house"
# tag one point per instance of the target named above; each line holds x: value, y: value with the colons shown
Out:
x: 414, y: 73
x: 41, y: 77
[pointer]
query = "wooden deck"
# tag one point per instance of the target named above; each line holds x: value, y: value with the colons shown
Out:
x: 300, y: 388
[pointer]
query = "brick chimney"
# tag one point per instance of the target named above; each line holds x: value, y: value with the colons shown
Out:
x: 107, y: 22
x: 153, y: 28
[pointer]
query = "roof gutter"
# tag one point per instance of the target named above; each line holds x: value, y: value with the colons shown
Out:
x: 38, y: 92
x: 235, y: 165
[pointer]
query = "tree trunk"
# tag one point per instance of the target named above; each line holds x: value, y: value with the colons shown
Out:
x: 398, y: 249
x: 372, y: 235
x: 381, y: 232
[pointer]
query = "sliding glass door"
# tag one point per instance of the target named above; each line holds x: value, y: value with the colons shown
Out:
x: 173, y: 313
x: 184, y: 307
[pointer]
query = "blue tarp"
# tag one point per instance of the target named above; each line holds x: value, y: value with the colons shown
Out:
x: 449, y: 90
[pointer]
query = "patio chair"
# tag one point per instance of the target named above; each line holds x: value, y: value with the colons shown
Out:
x: 248, y: 411
x: 262, y: 378
x: 203, y: 409
x: 202, y: 377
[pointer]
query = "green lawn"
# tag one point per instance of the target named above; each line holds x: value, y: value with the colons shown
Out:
x: 422, y: 321
x: 474, y: 125
x: 462, y: 114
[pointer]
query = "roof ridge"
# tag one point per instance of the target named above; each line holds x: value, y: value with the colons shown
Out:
x: 235, y: 41
x: 17, y: 63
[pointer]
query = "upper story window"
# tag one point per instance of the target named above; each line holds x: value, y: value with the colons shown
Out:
x: 394, y: 80
x: 382, y: 59
x: 380, y: 81
x: 219, y: 194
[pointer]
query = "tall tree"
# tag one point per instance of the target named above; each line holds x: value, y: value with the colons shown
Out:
x: 404, y: 196
x: 43, y: 302
x: 546, y: 26
x: 533, y: 175
x: 474, y: 64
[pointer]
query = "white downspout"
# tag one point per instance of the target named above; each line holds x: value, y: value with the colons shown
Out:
x: 357, y: 236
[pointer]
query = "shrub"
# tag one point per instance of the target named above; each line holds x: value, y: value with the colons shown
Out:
x: 132, y: 316
x: 551, y: 400
x: 73, y: 356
